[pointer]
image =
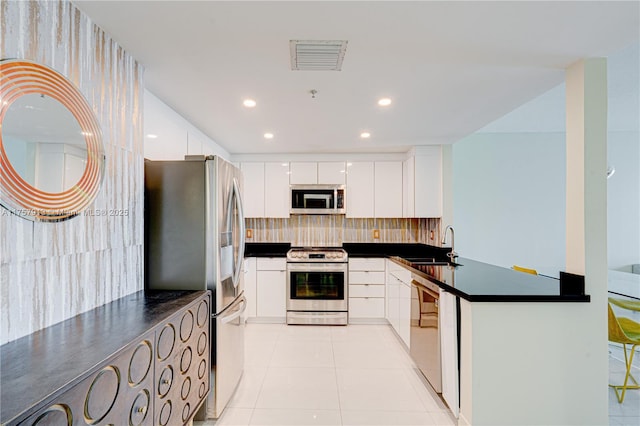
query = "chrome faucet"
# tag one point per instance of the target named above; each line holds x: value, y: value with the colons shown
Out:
x: 452, y: 255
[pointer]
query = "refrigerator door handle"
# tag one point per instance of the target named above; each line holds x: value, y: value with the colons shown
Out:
x: 236, y: 314
x: 238, y: 200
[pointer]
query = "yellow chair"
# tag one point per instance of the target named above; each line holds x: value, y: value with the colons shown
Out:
x: 525, y: 270
x: 626, y: 331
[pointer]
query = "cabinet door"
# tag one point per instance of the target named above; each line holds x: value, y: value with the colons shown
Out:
x: 404, y: 311
x: 360, y: 189
x: 449, y: 350
x: 393, y: 297
x: 388, y: 189
x: 182, y: 364
x: 333, y: 173
x: 276, y: 190
x: 303, y: 173
x: 408, y: 189
x: 428, y: 184
x: 253, y: 189
x: 250, y: 289
x: 272, y: 294
x: 366, y: 307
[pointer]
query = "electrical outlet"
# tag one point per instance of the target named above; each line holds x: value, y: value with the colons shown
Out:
x: 376, y: 234
x: 249, y: 233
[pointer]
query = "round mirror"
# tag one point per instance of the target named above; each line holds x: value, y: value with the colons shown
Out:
x: 51, y: 152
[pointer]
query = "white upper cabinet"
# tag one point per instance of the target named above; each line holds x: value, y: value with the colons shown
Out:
x: 276, y: 190
x: 309, y: 173
x: 303, y: 173
x: 422, y: 175
x: 388, y: 189
x: 333, y: 173
x: 164, y: 136
x: 360, y: 189
x: 253, y: 189
x: 408, y: 193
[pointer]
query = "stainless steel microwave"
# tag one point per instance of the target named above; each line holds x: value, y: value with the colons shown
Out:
x: 318, y: 199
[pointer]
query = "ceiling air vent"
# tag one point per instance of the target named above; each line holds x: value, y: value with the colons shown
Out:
x: 317, y: 55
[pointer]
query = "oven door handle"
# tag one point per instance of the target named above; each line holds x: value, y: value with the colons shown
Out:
x: 317, y: 267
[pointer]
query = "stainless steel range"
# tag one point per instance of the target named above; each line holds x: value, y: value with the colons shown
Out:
x: 317, y: 286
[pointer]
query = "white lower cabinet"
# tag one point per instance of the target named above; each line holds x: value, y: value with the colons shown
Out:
x: 449, y: 351
x: 366, y: 289
x: 398, y: 284
x: 404, y: 312
x: 271, y: 288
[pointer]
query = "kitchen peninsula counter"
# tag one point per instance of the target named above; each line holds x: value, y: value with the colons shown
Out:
x: 482, y: 282
x: 471, y: 280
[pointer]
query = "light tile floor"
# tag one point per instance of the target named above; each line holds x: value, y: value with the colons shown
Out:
x: 307, y: 375
x: 627, y: 413
x: 354, y: 375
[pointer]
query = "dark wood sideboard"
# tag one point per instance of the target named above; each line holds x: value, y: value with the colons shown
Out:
x: 140, y: 360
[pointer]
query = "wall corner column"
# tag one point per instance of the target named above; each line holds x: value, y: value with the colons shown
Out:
x: 586, y: 220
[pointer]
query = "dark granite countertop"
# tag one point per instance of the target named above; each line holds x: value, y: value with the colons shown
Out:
x: 395, y: 249
x: 36, y: 366
x: 481, y: 282
x: 472, y: 280
x: 266, y: 249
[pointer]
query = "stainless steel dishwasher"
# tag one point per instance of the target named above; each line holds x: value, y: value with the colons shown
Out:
x: 425, y: 330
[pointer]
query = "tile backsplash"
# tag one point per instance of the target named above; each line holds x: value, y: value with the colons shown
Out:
x: 333, y: 230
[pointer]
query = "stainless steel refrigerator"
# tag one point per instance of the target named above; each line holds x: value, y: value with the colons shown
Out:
x: 194, y: 240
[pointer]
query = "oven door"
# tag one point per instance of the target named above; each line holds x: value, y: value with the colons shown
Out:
x: 317, y: 287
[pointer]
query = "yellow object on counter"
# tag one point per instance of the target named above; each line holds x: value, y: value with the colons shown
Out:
x: 525, y: 270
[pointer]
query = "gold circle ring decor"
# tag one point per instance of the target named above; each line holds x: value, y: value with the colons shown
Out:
x: 23, y: 77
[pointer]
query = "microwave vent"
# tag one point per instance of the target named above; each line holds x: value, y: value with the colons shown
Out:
x: 317, y: 55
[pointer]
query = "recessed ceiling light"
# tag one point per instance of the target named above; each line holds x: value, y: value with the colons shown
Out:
x: 152, y: 136
x: 268, y: 135
x: 384, y: 102
x: 365, y: 135
x: 249, y: 103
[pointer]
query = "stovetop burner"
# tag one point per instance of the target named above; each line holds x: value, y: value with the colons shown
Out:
x: 317, y: 254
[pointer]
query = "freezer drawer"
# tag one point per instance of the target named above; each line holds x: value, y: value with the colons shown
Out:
x: 228, y: 355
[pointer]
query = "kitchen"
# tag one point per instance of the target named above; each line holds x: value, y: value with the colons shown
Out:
x: 49, y: 254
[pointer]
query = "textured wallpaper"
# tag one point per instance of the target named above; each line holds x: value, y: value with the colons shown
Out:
x: 333, y: 230
x: 52, y: 271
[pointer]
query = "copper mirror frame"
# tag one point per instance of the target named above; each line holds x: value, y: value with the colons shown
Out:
x: 23, y: 77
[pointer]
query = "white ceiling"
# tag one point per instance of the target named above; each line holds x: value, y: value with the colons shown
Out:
x: 450, y: 67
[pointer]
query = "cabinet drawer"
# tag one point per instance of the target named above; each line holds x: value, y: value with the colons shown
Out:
x: 366, y: 264
x: 365, y: 277
x: 366, y: 307
x: 271, y: 264
x: 366, y: 290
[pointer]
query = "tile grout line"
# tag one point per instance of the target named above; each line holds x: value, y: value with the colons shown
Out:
x: 335, y: 373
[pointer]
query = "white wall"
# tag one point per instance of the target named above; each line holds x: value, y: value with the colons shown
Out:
x: 623, y: 200
x: 509, y: 205
x: 175, y: 137
x: 519, y: 218
x: 50, y: 272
